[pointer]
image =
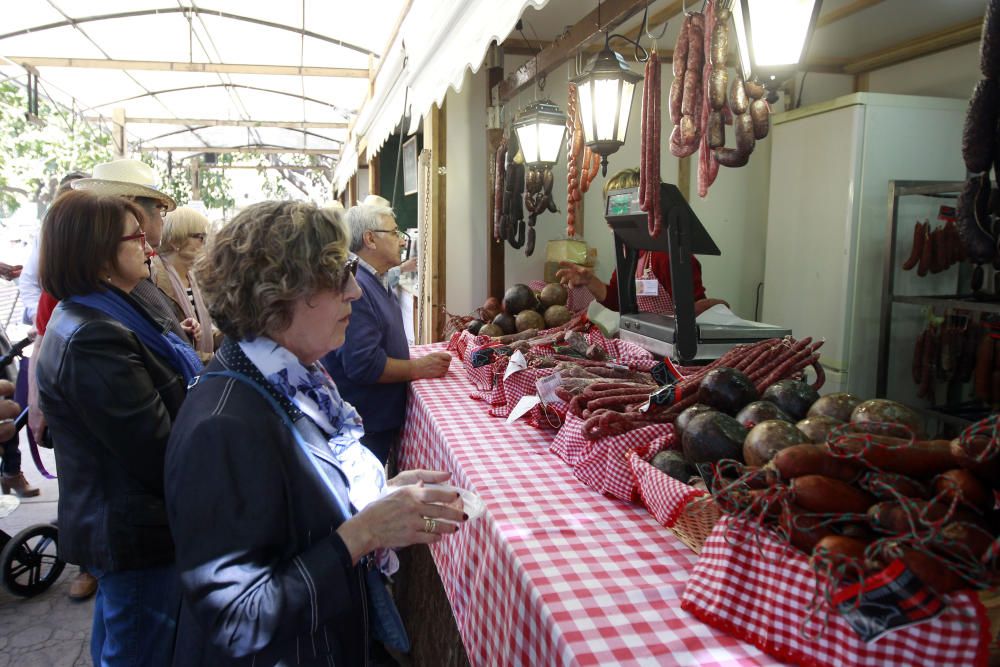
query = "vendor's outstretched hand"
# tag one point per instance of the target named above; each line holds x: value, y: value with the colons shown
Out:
x: 702, y: 305
x: 571, y: 274
x: 411, y: 515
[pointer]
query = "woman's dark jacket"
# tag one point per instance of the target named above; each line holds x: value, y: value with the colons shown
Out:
x: 266, y: 579
x: 109, y: 402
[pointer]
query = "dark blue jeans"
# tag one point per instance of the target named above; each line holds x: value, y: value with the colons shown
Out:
x: 10, y: 461
x: 135, y: 617
x: 381, y: 443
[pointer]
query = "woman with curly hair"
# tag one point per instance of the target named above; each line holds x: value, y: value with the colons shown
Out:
x: 282, y: 518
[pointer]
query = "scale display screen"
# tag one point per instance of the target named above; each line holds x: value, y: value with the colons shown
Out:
x: 620, y: 204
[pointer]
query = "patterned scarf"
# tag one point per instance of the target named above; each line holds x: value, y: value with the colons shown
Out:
x: 313, y: 392
x: 206, y: 343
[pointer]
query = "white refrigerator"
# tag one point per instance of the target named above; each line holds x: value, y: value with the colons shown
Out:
x: 828, y: 217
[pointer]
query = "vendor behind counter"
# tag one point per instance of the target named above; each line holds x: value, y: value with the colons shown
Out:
x: 654, y: 292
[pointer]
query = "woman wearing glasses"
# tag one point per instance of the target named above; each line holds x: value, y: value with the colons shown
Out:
x: 111, y: 377
x: 185, y: 231
x: 282, y: 519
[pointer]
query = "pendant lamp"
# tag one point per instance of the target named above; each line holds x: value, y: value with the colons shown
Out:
x: 540, y: 129
x: 605, y: 92
x: 773, y: 36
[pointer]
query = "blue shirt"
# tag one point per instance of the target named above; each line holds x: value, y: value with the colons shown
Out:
x: 374, y: 334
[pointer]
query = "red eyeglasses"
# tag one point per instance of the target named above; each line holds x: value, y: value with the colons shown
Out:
x: 140, y: 236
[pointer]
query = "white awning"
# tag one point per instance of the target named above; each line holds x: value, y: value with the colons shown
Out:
x: 436, y: 44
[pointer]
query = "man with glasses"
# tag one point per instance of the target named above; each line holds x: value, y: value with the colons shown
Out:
x: 373, y: 366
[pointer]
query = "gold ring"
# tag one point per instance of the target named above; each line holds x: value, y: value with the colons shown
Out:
x: 429, y: 525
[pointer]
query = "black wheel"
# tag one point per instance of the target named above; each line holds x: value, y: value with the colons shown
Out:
x: 29, y: 563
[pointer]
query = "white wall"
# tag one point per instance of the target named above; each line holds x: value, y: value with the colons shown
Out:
x: 735, y: 211
x: 466, y: 184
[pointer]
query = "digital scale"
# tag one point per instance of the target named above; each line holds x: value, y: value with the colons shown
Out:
x: 679, y: 337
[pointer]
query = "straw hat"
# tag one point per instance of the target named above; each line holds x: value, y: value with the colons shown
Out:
x: 375, y: 200
x: 124, y: 178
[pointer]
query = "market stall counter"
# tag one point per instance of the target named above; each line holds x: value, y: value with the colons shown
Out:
x: 554, y: 573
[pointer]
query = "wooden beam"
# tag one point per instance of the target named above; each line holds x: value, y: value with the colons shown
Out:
x: 262, y: 167
x: 611, y: 14
x: 267, y: 150
x: 436, y: 136
x: 862, y: 82
x: 957, y: 35
x: 494, y: 249
x: 835, y: 15
x: 164, y: 66
x: 221, y: 122
x: 519, y: 47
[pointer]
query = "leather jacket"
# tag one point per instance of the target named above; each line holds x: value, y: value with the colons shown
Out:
x: 266, y: 578
x: 109, y: 402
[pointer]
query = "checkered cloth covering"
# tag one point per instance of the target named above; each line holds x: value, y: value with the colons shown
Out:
x: 578, y: 298
x: 554, y: 573
x: 689, y: 512
x: 604, y: 465
x: 569, y: 443
x: 549, y: 415
x: 761, y: 594
x: 515, y: 387
x: 463, y: 344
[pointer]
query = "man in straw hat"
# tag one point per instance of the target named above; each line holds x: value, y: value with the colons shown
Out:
x: 135, y: 180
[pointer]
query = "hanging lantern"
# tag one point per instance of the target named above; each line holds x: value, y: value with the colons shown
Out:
x: 772, y: 36
x: 540, y: 130
x: 605, y: 93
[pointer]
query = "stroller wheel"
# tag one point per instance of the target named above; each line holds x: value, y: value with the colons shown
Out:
x: 28, y: 563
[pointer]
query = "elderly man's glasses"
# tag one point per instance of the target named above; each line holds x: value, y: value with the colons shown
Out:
x: 400, y: 234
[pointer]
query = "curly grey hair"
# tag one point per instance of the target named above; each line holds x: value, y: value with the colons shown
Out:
x: 364, y: 218
x: 272, y: 254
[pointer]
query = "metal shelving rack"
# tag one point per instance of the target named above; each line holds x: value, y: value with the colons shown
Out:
x: 898, y: 189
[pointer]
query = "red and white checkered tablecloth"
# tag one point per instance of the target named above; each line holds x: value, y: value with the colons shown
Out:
x: 554, y: 573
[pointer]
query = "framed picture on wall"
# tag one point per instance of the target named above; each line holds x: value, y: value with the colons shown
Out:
x: 410, y: 166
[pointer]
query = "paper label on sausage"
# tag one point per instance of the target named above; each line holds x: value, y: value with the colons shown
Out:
x: 546, y: 387
x: 516, y: 363
x: 646, y: 286
x: 891, y: 599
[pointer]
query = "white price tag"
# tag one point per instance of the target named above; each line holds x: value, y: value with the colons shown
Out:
x: 646, y: 287
x: 517, y: 363
x: 525, y: 404
x: 645, y: 406
x: 546, y: 387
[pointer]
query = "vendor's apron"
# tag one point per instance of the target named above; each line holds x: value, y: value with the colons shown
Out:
x: 661, y: 303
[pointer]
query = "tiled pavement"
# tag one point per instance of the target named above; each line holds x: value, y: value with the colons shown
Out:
x: 49, y: 630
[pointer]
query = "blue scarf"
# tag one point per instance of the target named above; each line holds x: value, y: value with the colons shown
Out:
x: 165, y: 344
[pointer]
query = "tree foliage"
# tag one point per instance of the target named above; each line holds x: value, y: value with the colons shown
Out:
x: 34, y: 157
